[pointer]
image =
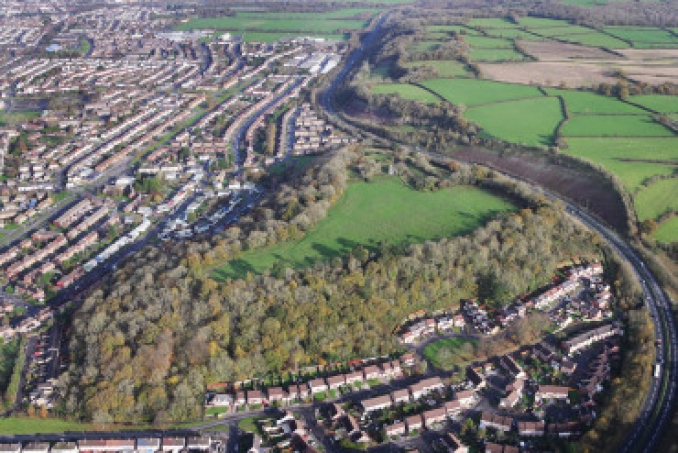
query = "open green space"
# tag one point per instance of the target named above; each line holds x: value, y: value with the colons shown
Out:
x: 615, y: 126
x: 445, y: 68
x: 492, y: 43
x: 562, y: 31
x: 451, y: 28
x: 539, y: 119
x: 586, y: 102
x: 667, y: 231
x: 406, y: 91
x: 476, y: 92
x: 539, y: 22
x: 514, y: 33
x: 348, y: 13
x: 238, y: 24
x: 426, y: 46
x: 450, y: 351
x: 653, y: 201
x: 496, y: 55
x: 643, y: 34
x: 13, y: 119
x: 492, y: 22
x: 270, y: 37
x: 20, y: 425
x: 657, y: 102
x: 369, y: 213
x: 633, y: 160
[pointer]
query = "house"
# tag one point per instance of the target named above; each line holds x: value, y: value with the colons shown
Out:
x: 276, y: 394
x: 240, y: 398
x: 299, y: 392
x: 510, y: 400
x: 254, y: 397
x: 334, y: 382
x: 512, y: 367
x: 148, y: 444
x: 221, y: 400
x: 354, y: 377
x: 453, y: 444
x: 36, y: 447
x: 586, y: 339
x: 467, y: 398
x: 567, y: 429
x: 401, y: 396
x: 552, y: 392
x: 426, y: 386
x: 414, y: 422
x: 375, y: 404
x: 10, y: 448
x: 373, y: 372
x: 64, y: 447
x: 408, y: 359
x: 476, y: 378
x: 495, y: 421
x: 567, y: 366
x: 397, y: 429
x: 434, y: 416
x: 531, y: 429
x: 511, y: 449
x: 317, y: 385
x: 198, y: 443
x: 452, y: 407
x: 173, y: 444
x: 491, y: 447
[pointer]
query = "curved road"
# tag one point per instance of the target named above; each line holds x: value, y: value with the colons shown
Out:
x: 657, y: 407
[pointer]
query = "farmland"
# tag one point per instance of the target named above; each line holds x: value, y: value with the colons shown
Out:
x: 667, y: 231
x: 406, y: 91
x: 445, y: 68
x: 368, y: 213
x: 475, y: 92
x: 587, y: 103
x: 654, y: 200
x: 495, y: 55
x: 538, y: 120
x: 658, y: 103
x: 615, y: 126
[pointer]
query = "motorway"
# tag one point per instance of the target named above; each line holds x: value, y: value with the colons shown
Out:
x: 657, y: 408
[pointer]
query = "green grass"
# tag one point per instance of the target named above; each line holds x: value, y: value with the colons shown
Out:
x: 369, y: 213
x: 512, y: 33
x: 667, y: 231
x: 596, y: 40
x: 406, y: 91
x: 562, y: 31
x: 492, y: 43
x: 454, y: 345
x: 250, y: 424
x: 16, y: 425
x: 348, y: 13
x: 492, y: 23
x: 475, y: 92
x: 261, y: 23
x: 445, y: 68
x: 633, y: 160
x: 643, y: 34
x: 425, y: 46
x: 653, y: 201
x: 538, y: 22
x: 657, y: 102
x: 538, y: 120
x: 496, y: 55
x: 14, y: 119
x: 615, y: 126
x: 584, y: 102
x: 450, y: 28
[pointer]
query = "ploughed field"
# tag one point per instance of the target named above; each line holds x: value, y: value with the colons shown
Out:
x: 369, y: 213
x: 530, y: 99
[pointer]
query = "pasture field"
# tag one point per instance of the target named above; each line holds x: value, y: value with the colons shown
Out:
x: 633, y: 160
x: 513, y: 33
x: 667, y: 231
x: 539, y: 22
x: 406, y: 91
x: 493, y: 22
x: 562, y: 31
x: 447, y: 352
x: 368, y: 213
x: 596, y: 40
x: 350, y: 13
x: 653, y: 201
x: 270, y: 37
x: 475, y: 92
x: 657, y: 102
x: 496, y: 55
x: 425, y: 46
x: 490, y: 43
x: 445, y: 68
x: 642, y: 34
x: 13, y: 119
x: 450, y: 28
x: 587, y: 103
x: 615, y: 126
x: 19, y: 426
x: 437, y: 36
x: 263, y: 23
x: 539, y: 119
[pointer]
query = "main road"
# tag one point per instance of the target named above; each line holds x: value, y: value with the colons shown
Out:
x: 657, y: 409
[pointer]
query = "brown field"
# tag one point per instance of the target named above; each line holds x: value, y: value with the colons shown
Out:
x: 557, y: 51
x: 650, y: 54
x: 548, y: 73
x: 579, y: 185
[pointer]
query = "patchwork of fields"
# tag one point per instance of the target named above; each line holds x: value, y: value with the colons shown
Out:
x: 624, y: 136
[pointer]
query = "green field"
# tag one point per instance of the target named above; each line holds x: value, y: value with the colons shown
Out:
x: 667, y: 231
x: 539, y: 119
x: 562, y: 31
x: 450, y: 351
x: 270, y: 37
x: 406, y: 91
x: 586, y: 103
x: 368, y: 213
x: 653, y: 201
x: 538, y: 22
x: 425, y: 46
x: 642, y: 34
x: 633, y: 160
x: 18, y: 426
x: 475, y: 92
x: 13, y: 119
x: 492, y: 23
x: 615, y: 126
x: 496, y: 55
x: 445, y: 68
x: 450, y: 28
x: 657, y: 102
x: 512, y: 33
x: 240, y: 24
x: 491, y: 43
x: 596, y: 40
